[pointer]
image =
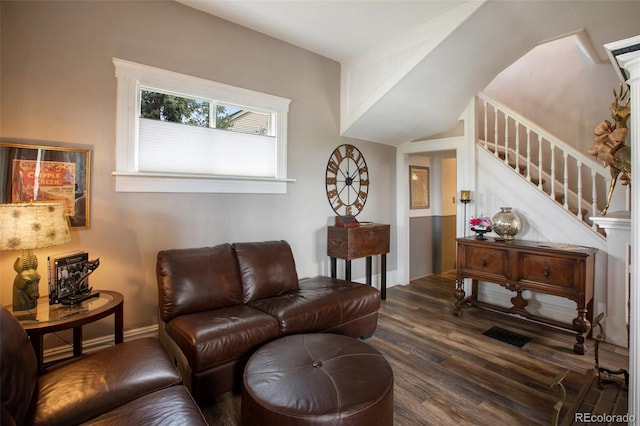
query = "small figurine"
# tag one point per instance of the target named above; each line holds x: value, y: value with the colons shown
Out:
x: 25, y: 285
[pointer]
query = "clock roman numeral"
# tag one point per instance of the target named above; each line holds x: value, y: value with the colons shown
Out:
x: 338, y: 155
x: 349, y: 149
x: 359, y: 160
x: 333, y: 167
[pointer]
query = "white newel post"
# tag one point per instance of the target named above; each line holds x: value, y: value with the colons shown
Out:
x: 626, y: 55
x: 617, y: 226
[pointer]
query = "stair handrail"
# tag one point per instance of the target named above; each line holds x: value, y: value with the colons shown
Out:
x: 501, y: 143
x: 539, y: 130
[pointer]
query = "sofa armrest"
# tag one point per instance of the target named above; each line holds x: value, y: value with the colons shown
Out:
x: 167, y: 406
x: 176, y: 355
x: 77, y: 391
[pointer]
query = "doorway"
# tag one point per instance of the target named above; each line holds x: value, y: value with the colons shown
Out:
x: 451, y: 147
x: 432, y: 225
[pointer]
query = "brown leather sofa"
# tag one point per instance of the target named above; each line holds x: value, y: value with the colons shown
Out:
x: 220, y: 304
x: 130, y: 383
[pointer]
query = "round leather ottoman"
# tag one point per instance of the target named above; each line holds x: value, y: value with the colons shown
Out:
x: 317, y: 379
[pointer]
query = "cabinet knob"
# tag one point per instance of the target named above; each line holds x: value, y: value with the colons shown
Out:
x: 545, y: 271
x: 484, y: 261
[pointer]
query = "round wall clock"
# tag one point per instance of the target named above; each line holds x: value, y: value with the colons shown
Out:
x: 347, y: 180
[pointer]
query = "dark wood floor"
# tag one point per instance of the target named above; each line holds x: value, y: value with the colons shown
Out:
x: 447, y: 372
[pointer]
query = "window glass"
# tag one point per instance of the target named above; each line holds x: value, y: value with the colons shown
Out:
x: 175, y: 109
x: 196, y: 135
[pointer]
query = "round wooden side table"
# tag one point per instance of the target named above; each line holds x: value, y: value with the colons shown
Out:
x: 46, y: 318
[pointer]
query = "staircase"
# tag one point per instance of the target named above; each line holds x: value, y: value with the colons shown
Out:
x: 573, y: 180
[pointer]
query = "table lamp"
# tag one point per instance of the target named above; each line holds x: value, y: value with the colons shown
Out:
x: 28, y: 226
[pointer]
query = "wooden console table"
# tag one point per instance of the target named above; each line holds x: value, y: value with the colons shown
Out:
x: 556, y: 269
x: 366, y: 240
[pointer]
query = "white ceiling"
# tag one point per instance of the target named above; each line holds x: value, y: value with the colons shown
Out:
x: 430, y: 99
x: 337, y: 29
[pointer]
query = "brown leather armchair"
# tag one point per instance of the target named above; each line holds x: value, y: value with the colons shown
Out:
x: 130, y: 383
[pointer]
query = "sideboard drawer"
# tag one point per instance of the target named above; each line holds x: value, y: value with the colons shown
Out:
x: 548, y: 270
x: 487, y: 261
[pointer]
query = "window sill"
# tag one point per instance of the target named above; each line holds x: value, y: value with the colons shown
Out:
x: 160, y: 182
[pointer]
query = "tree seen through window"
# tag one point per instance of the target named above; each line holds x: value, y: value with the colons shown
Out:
x: 177, y: 109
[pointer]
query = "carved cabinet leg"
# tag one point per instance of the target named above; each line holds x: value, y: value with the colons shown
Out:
x: 459, y: 294
x: 582, y: 327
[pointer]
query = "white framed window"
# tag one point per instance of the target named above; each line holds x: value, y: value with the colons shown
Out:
x: 179, y: 133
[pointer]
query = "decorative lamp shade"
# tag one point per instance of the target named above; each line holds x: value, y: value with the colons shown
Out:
x: 27, y: 226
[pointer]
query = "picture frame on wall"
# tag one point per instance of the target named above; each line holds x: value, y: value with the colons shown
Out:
x: 47, y: 173
x: 419, y: 184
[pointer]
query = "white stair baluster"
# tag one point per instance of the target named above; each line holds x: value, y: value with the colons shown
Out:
x: 506, y: 139
x: 540, y: 162
x: 545, y: 169
x: 486, y: 127
x: 495, y: 138
x: 579, y: 194
x: 528, y: 154
x: 517, y: 129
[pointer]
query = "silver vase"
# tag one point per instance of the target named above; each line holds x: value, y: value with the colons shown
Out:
x: 506, y: 223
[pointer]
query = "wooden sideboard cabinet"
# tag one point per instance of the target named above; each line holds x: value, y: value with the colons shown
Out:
x: 366, y: 240
x: 557, y: 269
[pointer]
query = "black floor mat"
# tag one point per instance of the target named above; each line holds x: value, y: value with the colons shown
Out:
x: 507, y: 336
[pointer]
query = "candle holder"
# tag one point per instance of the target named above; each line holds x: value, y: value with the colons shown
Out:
x: 465, y: 198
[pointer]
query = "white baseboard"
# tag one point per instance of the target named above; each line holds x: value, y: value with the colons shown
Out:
x: 92, y: 345
x: 543, y: 305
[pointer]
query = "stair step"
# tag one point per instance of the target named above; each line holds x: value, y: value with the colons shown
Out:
x: 521, y: 169
x: 560, y: 198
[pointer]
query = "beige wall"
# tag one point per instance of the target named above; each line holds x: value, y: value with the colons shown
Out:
x: 557, y: 86
x: 58, y: 87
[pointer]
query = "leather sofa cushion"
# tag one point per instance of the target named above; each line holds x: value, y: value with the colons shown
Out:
x: 328, y: 282
x: 214, y: 337
x: 322, y: 303
x: 84, y: 388
x: 196, y: 280
x: 19, y: 369
x: 159, y: 408
x: 267, y: 269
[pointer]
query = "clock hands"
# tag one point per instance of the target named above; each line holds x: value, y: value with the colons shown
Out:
x: 352, y: 192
